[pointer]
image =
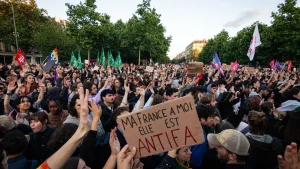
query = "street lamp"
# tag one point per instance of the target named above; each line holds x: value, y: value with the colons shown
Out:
x: 16, y: 34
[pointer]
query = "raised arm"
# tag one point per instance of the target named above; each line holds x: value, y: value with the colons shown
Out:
x: 58, y: 159
x: 42, y: 92
x: 10, y: 88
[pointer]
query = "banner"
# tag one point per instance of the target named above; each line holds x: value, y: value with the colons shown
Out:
x: 149, y: 69
x: 195, y: 67
x: 167, y: 126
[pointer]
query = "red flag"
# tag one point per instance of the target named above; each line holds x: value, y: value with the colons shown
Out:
x: 235, y: 66
x: 290, y: 65
x: 20, y: 58
x: 272, y: 64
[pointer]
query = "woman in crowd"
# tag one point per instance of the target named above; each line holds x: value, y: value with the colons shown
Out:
x: 38, y: 139
x: 56, y: 114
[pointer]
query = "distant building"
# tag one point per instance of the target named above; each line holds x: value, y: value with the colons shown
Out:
x: 192, y: 50
x: 61, y: 22
x: 7, y: 53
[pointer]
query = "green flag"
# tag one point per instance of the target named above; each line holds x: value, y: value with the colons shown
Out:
x: 118, y: 62
x: 103, y: 59
x: 79, y: 63
x: 73, y: 62
x: 98, y: 58
x: 111, y: 61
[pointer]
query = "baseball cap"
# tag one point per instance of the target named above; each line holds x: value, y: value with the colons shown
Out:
x: 264, y: 87
x: 233, y: 140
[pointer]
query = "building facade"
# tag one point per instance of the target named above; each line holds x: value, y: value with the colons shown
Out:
x: 61, y: 22
x: 192, y: 50
x: 7, y: 53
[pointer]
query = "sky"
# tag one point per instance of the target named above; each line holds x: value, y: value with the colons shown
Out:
x: 184, y: 20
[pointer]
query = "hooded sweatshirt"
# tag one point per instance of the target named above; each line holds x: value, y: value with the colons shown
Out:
x: 263, y: 151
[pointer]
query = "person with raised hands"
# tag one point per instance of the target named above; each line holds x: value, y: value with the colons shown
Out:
x: 291, y: 158
x: 58, y: 159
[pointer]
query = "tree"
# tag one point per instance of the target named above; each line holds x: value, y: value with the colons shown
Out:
x: 285, y: 30
x: 218, y: 43
x: 85, y: 25
x: 28, y: 20
x: 145, y: 33
x: 49, y: 36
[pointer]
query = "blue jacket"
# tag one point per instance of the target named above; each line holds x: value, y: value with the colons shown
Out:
x: 21, y: 162
x: 198, y: 151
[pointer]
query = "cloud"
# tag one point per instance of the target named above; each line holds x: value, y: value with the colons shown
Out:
x: 245, y: 17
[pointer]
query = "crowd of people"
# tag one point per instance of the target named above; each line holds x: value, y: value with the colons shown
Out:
x: 67, y: 117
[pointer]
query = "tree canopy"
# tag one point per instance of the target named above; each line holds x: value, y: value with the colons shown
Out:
x: 280, y: 40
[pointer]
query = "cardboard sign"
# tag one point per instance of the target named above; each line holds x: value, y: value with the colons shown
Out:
x: 195, y: 67
x: 149, y: 69
x: 251, y: 70
x: 167, y: 126
x: 225, y: 66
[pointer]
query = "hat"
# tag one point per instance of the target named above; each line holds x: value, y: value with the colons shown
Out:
x: 264, y: 87
x: 233, y: 140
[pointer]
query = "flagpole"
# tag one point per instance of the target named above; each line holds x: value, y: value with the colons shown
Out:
x: 44, y: 60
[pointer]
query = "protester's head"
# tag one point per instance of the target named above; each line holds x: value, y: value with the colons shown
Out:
x: 137, y: 81
x: 61, y: 136
x: 235, y: 118
x: 117, y: 112
x: 223, y: 126
x: 256, y: 83
x: 23, y: 103
x: 157, y: 99
x: 91, y: 87
x: 208, y: 99
x: 107, y: 96
x: 232, y: 146
x: 117, y: 83
x: 14, y: 142
x: 6, y: 124
x: 38, y: 122
x: 264, y: 90
x: 3, y: 158
x: 267, y: 107
x: 54, y: 107
x: 292, y: 130
x: 74, y: 106
x: 205, y: 114
x: 75, y: 163
x: 257, y: 122
x: 293, y: 94
x: 29, y: 79
x: 183, y: 154
x: 171, y: 94
x: 213, y: 88
x: 254, y: 103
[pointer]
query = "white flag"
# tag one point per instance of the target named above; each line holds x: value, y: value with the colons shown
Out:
x: 254, y: 43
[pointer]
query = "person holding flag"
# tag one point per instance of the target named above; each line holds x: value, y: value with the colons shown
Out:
x: 216, y: 63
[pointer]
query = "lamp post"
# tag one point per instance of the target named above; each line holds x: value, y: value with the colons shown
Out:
x: 15, y: 32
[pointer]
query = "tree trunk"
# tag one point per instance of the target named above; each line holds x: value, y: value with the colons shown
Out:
x: 139, y: 56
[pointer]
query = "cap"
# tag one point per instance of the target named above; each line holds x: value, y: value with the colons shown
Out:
x: 264, y: 87
x: 233, y: 140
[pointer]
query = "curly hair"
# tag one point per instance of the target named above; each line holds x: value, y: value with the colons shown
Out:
x: 71, y: 107
x: 254, y: 104
x: 257, y: 122
x: 61, y: 136
x: 14, y: 142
